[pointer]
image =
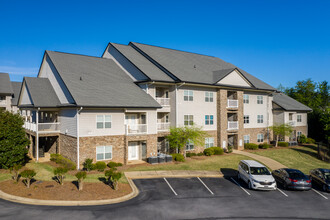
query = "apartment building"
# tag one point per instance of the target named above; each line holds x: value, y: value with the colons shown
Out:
x: 120, y: 107
x: 9, y: 92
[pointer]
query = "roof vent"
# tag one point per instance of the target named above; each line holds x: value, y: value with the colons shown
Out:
x: 81, y: 78
x: 194, y: 66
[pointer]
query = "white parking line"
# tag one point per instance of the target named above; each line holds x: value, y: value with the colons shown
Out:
x: 320, y: 194
x: 240, y: 186
x: 170, y: 187
x: 205, y: 186
x: 282, y: 192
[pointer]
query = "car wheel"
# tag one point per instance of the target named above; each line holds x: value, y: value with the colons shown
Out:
x: 238, y: 176
x: 250, y: 185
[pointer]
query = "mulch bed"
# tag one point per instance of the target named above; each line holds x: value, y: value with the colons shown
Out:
x: 50, y: 190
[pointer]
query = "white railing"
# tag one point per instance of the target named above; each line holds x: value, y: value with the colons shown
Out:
x: 48, y: 127
x: 31, y: 126
x: 163, y: 101
x: 232, y: 103
x: 163, y: 126
x: 3, y: 102
x: 136, y: 129
x: 232, y: 125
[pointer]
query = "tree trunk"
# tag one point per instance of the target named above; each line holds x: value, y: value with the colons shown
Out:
x: 115, y: 185
x: 80, y: 185
x: 28, y: 183
x: 276, y: 140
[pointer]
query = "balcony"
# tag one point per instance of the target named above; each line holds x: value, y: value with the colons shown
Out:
x: 232, y: 125
x: 165, y: 102
x: 232, y: 103
x: 134, y: 129
x: 163, y: 126
x: 42, y: 127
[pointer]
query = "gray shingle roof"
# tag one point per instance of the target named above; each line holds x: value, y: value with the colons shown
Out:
x: 42, y: 92
x: 16, y: 88
x: 99, y: 82
x: 5, y: 85
x: 142, y: 63
x: 288, y: 103
x: 192, y: 67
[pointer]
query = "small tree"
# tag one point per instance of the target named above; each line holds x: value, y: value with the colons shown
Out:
x: 60, y: 174
x: 280, y: 130
x: 179, y: 136
x: 13, y: 140
x: 15, y: 171
x: 28, y: 176
x: 88, y: 164
x: 80, y: 176
x: 113, y: 177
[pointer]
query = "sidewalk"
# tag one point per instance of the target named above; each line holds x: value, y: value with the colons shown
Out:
x: 272, y: 164
x: 171, y: 173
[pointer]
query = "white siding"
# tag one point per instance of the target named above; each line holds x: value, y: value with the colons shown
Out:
x: 278, y: 117
x: 303, y: 119
x: 234, y: 78
x: 68, y: 122
x: 253, y: 110
x: 25, y: 97
x: 198, y: 107
x: 48, y: 70
x: 87, y: 123
x: 152, y: 121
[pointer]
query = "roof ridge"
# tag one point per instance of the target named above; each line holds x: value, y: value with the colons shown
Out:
x: 175, y: 49
x: 77, y: 54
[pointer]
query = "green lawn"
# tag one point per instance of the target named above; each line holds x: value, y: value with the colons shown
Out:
x: 214, y: 163
x: 303, y: 158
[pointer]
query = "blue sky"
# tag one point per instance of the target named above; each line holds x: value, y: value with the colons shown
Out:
x: 276, y: 41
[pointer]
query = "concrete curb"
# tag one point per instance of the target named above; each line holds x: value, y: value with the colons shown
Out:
x: 28, y: 201
x: 129, y: 176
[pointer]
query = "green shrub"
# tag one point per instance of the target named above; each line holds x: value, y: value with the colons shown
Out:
x: 264, y: 146
x: 283, y: 144
x: 60, y: 174
x: 189, y: 154
x: 112, y: 164
x: 200, y: 154
x: 209, y: 151
x: 113, y: 177
x: 88, y: 164
x: 229, y: 149
x: 302, y: 139
x: 65, y: 162
x: 310, y: 141
x: 218, y: 150
x: 80, y: 176
x: 178, y: 157
x: 15, y: 169
x: 28, y: 175
x: 250, y: 146
x: 100, y: 166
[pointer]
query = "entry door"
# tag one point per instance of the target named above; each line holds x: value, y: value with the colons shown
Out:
x: 144, y: 150
x: 133, y: 151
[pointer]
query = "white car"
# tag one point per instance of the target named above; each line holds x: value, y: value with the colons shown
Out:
x: 256, y: 175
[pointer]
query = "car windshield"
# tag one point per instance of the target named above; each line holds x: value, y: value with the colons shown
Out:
x: 259, y: 171
x: 297, y: 175
x: 327, y: 176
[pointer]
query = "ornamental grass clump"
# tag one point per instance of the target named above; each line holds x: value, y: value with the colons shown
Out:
x: 80, y: 177
x: 113, y: 177
x: 15, y: 172
x: 28, y: 176
x: 60, y: 174
x: 88, y: 164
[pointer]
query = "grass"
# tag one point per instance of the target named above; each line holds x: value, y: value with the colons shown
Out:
x: 213, y: 163
x: 5, y: 176
x: 303, y: 158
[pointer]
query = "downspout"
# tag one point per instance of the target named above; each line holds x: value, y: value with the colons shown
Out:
x: 78, y: 112
x: 268, y: 108
x: 37, y: 132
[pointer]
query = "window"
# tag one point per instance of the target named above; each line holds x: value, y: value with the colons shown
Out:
x: 298, y: 118
x: 209, y: 142
x: 299, y: 133
x: 104, y: 153
x: 188, y: 95
x: 103, y: 121
x: 260, y: 138
x: 190, y: 145
x: 188, y: 120
x: 290, y: 116
x: 246, y: 139
x: 208, y: 119
x: 2, y: 97
x: 246, y: 99
x: 260, y: 99
x: 260, y: 119
x: 208, y: 96
x: 167, y: 119
x: 246, y: 119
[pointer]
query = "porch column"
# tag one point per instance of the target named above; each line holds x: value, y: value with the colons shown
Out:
x: 37, y: 135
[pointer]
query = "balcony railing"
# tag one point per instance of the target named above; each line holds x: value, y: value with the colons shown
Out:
x: 232, y: 125
x: 3, y: 102
x: 136, y: 129
x: 232, y: 103
x: 42, y: 127
x: 163, y: 101
x: 163, y: 126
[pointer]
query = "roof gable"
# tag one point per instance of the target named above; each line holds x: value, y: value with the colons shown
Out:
x: 234, y: 78
x: 25, y: 96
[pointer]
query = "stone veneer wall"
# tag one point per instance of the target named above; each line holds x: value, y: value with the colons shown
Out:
x: 303, y: 129
x: 68, y: 147
x: 253, y: 132
x: 198, y: 149
x: 150, y: 139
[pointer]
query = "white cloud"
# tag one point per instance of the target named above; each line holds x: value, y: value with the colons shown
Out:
x: 19, y: 71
